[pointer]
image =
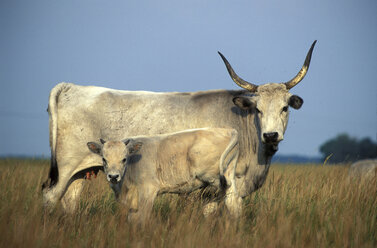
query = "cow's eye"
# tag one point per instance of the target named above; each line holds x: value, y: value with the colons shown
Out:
x: 124, y: 160
x: 285, y: 109
x: 104, y: 161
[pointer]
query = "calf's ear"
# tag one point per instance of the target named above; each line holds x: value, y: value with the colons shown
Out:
x: 94, y: 147
x: 295, y: 102
x: 135, y: 147
x: 243, y: 102
x: 132, y: 145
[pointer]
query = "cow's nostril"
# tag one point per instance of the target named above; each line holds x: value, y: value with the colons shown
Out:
x: 270, y: 137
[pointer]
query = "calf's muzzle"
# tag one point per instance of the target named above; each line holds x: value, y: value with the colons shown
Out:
x: 113, y: 178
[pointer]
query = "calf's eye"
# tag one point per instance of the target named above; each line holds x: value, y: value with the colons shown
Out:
x: 124, y: 160
x: 104, y: 161
x: 285, y: 109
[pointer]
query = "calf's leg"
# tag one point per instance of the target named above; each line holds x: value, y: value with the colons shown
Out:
x: 145, y: 199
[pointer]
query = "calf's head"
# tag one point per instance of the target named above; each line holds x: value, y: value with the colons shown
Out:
x: 115, y: 155
x: 270, y: 102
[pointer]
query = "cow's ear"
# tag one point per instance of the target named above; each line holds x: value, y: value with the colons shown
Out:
x: 94, y: 147
x: 243, y: 102
x: 133, y: 146
x: 295, y: 102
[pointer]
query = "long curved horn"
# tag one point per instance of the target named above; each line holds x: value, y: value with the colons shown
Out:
x: 239, y: 81
x: 301, y: 74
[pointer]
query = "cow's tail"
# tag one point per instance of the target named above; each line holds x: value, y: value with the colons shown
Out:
x: 230, y: 152
x: 53, y: 123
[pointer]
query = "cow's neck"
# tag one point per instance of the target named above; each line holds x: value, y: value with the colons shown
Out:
x: 269, y: 150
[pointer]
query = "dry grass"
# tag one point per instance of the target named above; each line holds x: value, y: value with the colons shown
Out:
x: 299, y: 206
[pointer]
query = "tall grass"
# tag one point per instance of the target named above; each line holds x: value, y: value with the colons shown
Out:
x: 299, y: 206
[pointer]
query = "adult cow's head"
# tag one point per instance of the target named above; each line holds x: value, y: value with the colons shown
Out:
x: 115, y: 155
x: 270, y: 101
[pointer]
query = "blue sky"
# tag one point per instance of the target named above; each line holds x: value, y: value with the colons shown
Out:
x: 172, y: 46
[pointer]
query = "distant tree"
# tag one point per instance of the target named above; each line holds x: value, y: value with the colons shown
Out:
x: 343, y: 148
x: 367, y: 149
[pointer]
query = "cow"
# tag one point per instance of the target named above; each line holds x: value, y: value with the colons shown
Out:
x: 364, y: 169
x: 78, y: 114
x: 180, y: 162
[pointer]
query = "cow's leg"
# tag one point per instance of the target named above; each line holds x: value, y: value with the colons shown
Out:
x: 51, y: 195
x: 67, y: 169
x: 233, y: 201
x: 72, y: 195
x: 146, y: 196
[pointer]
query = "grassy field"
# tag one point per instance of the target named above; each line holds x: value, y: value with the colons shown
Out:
x: 298, y: 206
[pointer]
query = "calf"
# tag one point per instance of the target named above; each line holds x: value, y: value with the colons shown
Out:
x: 179, y: 162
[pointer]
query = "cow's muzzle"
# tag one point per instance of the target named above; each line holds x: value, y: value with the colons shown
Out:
x: 271, y: 138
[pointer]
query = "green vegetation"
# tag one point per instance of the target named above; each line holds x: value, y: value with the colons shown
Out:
x: 344, y: 148
x: 299, y: 206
